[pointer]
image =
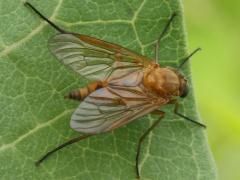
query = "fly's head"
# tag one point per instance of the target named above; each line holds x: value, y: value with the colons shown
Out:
x: 182, y: 90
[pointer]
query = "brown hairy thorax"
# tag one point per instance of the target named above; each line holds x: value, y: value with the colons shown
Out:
x: 165, y: 82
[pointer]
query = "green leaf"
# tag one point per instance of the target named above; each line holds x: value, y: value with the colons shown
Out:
x: 34, y: 117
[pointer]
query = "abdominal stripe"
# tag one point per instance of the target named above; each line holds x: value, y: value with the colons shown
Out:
x: 82, y: 93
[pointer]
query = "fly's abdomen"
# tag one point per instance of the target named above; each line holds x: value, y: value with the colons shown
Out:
x: 81, y: 93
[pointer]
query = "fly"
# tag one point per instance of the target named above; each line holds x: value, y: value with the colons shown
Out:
x: 125, y: 85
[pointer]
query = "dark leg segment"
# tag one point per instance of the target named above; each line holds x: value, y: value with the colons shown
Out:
x: 188, y: 57
x: 185, y: 117
x: 44, y: 18
x: 161, y: 36
x: 71, y: 141
x: 144, y: 136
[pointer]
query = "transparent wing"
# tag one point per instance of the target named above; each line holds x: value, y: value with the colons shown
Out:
x: 95, y: 59
x: 111, y: 107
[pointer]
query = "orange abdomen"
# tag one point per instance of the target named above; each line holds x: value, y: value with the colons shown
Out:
x: 81, y: 93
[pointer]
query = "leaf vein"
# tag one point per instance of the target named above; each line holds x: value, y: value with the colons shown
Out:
x: 38, y: 29
x: 34, y: 130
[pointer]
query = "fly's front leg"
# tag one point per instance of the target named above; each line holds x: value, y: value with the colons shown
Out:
x: 161, y: 114
x: 183, y: 61
x: 157, y: 45
x: 185, y: 117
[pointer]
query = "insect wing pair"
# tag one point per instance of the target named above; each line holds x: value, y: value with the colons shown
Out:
x: 124, y: 97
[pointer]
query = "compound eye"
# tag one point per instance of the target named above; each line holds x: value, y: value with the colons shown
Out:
x: 185, y: 92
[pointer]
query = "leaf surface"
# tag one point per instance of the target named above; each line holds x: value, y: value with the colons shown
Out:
x: 34, y: 117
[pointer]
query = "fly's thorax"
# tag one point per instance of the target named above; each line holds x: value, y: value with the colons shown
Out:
x: 166, y: 82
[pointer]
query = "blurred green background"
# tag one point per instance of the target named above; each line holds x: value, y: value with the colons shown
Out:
x: 214, y: 25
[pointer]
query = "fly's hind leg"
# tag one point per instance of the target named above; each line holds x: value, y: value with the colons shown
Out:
x: 161, y: 114
x: 71, y: 141
x: 44, y: 18
x: 157, y: 45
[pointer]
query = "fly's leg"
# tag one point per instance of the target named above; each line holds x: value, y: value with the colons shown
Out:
x: 71, y: 141
x: 185, y: 117
x: 157, y: 45
x: 44, y: 18
x: 183, y: 61
x: 161, y: 114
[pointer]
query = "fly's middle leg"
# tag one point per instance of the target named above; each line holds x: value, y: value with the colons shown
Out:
x: 185, y: 117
